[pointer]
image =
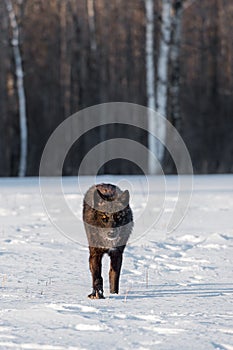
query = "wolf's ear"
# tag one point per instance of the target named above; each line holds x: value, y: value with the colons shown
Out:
x: 97, y: 197
x: 103, y: 196
x: 124, y: 198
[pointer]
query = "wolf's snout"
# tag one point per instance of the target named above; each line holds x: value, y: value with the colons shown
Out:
x: 112, y: 234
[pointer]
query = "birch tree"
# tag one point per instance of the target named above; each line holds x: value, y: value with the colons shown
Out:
x: 157, y: 100
x: 20, y: 88
x: 150, y: 85
x: 177, y: 14
x: 91, y: 22
x: 65, y: 68
x: 162, y: 74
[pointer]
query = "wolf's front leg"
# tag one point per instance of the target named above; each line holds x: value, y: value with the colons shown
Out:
x: 115, y: 269
x: 97, y: 280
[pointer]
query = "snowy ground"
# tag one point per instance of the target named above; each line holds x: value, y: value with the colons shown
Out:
x: 176, y: 289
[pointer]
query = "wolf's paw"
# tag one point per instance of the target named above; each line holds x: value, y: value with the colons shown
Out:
x: 114, y: 291
x: 96, y: 294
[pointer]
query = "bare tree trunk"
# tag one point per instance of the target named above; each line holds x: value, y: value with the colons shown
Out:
x: 162, y: 83
x: 20, y: 88
x: 65, y: 70
x: 175, y: 63
x: 150, y: 86
x: 91, y: 11
x: 91, y: 22
x: 159, y: 100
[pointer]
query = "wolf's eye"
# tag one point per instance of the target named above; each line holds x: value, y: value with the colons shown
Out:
x: 119, y: 216
x: 104, y: 218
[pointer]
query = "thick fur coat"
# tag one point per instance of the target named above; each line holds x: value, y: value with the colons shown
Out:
x: 108, y: 222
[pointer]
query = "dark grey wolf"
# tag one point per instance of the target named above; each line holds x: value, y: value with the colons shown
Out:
x: 108, y: 222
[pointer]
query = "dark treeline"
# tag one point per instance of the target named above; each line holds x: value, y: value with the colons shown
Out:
x: 77, y: 54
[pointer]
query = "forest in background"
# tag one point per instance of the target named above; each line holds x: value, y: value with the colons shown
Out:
x: 75, y: 54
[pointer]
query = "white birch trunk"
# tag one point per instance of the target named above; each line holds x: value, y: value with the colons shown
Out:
x: 150, y: 85
x: 91, y: 21
x: 162, y: 83
x: 65, y: 69
x: 157, y: 101
x: 175, y: 61
x: 20, y: 89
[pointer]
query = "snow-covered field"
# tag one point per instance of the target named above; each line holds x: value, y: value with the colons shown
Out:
x: 176, y: 289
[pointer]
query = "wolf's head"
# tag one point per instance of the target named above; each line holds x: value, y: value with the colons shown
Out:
x: 111, y: 209
x: 109, y: 215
